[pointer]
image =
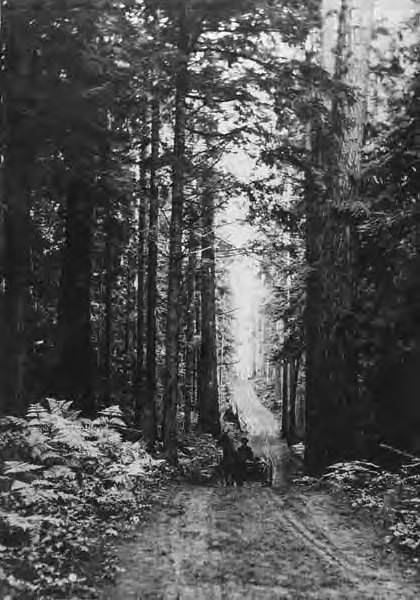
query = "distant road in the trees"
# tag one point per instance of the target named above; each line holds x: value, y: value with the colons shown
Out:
x: 257, y: 543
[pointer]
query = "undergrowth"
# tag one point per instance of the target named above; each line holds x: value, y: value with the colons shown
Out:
x: 393, y: 497
x: 67, y: 485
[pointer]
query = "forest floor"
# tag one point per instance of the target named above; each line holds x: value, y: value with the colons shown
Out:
x: 288, y: 541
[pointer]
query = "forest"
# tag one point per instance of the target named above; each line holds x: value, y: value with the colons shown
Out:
x: 116, y: 309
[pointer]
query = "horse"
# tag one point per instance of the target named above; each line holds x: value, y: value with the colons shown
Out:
x: 231, y: 465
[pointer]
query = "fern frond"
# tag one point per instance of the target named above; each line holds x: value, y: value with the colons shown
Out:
x: 98, y: 422
x: 36, y: 412
x: 14, y: 520
x: 12, y: 422
x: 112, y: 411
x: 62, y: 408
x: 18, y: 486
x: 116, y: 422
x: 58, y: 472
x: 72, y: 435
x: 14, y: 467
x: 53, y: 458
x: 105, y: 435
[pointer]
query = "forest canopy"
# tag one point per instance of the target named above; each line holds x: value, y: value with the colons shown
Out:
x: 116, y: 120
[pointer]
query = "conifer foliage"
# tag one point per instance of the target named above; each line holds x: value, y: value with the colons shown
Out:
x: 115, y: 119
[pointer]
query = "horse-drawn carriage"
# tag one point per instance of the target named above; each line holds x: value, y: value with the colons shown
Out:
x: 259, y: 469
x: 236, y: 468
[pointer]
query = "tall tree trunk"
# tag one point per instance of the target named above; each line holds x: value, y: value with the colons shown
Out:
x: 331, y: 359
x: 317, y: 398
x: 129, y: 325
x: 15, y: 216
x: 285, y: 399
x: 278, y: 388
x: 175, y: 247
x: 209, y: 414
x: 190, y: 328
x: 315, y: 369
x: 294, y: 375
x: 348, y: 121
x: 74, y: 326
x: 106, y: 362
x: 141, y: 270
x: 17, y: 281
x: 197, y: 313
x: 3, y: 321
x: 149, y: 417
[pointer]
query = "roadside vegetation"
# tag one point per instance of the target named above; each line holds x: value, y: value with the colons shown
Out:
x: 69, y: 486
x: 117, y: 118
x: 392, y: 497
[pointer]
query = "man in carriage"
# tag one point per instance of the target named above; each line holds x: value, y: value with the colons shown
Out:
x: 244, y: 451
x: 253, y: 467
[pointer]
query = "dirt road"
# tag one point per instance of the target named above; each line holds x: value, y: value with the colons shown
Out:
x: 258, y: 543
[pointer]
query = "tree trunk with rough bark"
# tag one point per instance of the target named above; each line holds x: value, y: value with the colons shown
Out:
x: 294, y: 375
x: 74, y: 342
x: 285, y: 399
x: 208, y: 407
x: 197, y: 313
x: 149, y: 411
x: 332, y: 398
x: 175, y: 247
x: 106, y: 366
x: 17, y: 281
x: 189, y: 399
x: 139, y: 386
x: 15, y: 213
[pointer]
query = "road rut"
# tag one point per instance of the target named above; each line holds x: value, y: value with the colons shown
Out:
x: 214, y: 543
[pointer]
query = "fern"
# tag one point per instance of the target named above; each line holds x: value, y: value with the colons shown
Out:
x: 63, y: 408
x: 18, y: 486
x: 31, y: 525
x: 111, y: 416
x: 13, y: 467
x: 36, y: 413
x: 58, y: 472
x: 11, y: 422
x: 112, y: 411
x: 17, y: 521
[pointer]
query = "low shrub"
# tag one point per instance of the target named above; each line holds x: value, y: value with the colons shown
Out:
x: 66, y: 485
x: 393, y: 496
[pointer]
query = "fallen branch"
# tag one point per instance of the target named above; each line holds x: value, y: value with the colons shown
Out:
x: 399, y: 452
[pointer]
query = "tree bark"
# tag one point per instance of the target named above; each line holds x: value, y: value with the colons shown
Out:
x: 294, y: 375
x: 285, y: 399
x: 149, y: 417
x: 190, y: 328
x: 130, y: 302
x: 175, y: 247
x: 141, y: 271
x: 74, y: 327
x: 197, y: 346
x: 331, y: 357
x: 106, y: 363
x: 348, y: 122
x: 15, y: 216
x: 278, y: 391
x: 3, y: 320
x: 208, y: 415
x: 17, y: 281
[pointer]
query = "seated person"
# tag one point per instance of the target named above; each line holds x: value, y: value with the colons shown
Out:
x: 229, y: 415
x: 244, y: 451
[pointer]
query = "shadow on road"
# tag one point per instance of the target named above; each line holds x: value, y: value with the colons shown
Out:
x: 258, y: 543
